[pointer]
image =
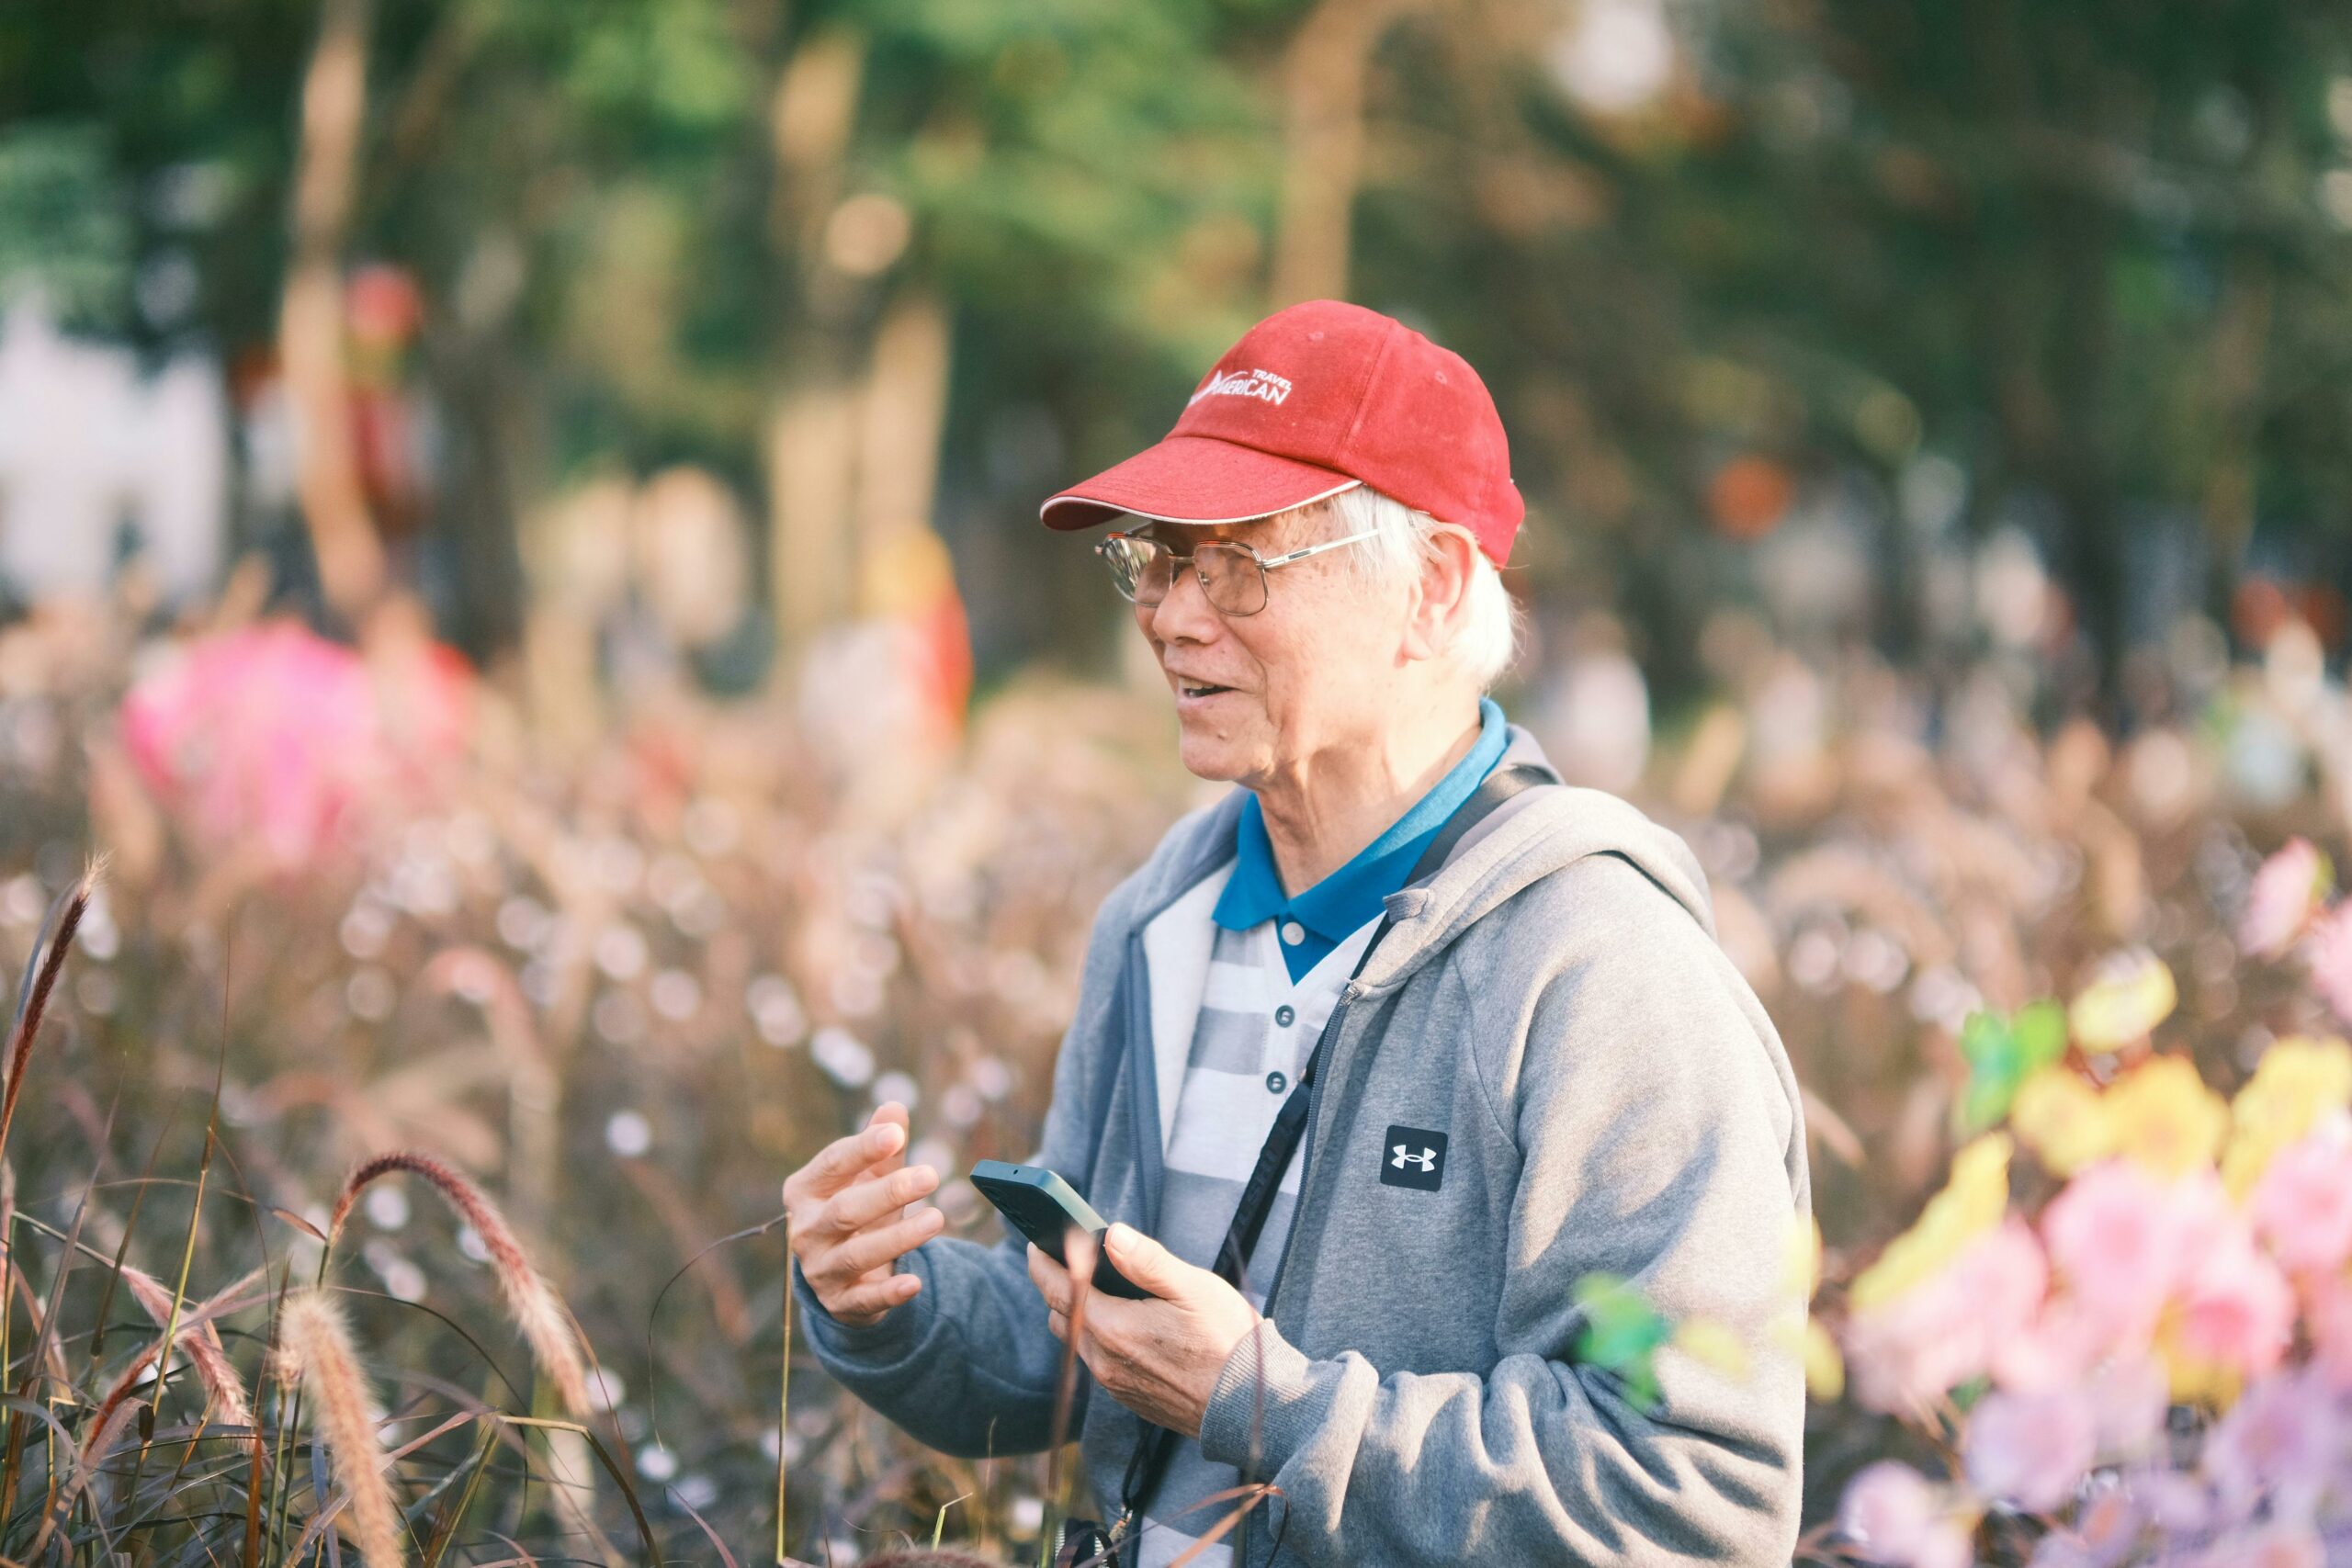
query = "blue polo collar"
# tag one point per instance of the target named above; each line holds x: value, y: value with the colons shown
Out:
x: 1352, y: 895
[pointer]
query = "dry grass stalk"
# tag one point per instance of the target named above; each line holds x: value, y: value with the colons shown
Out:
x: 104, y: 1433
x: 529, y: 1298
x: 205, y: 1351
x: 40, y: 980
x: 316, y: 1347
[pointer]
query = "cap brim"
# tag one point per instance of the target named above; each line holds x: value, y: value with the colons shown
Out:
x: 1194, y: 478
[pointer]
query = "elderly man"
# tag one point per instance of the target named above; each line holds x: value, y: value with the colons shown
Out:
x: 1375, y: 1061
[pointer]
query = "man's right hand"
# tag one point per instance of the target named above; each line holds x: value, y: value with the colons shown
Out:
x: 848, y: 1227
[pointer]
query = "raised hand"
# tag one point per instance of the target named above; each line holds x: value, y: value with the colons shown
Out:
x: 850, y: 1220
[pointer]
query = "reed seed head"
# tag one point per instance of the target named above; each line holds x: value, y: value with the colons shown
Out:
x: 315, y: 1346
x: 205, y: 1351
x: 530, y: 1301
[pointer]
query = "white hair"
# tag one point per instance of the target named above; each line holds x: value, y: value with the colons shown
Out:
x: 1403, y: 539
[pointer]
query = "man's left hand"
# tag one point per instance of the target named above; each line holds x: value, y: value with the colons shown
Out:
x: 1160, y: 1357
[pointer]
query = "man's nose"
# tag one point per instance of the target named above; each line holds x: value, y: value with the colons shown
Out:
x: 1184, y: 612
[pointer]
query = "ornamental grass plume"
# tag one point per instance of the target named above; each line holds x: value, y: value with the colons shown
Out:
x: 205, y: 1351
x: 39, y: 980
x: 529, y: 1299
x: 315, y: 1348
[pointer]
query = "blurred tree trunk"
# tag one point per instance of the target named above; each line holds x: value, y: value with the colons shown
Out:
x: 905, y: 412
x: 812, y: 436
x: 310, y: 322
x: 1325, y: 73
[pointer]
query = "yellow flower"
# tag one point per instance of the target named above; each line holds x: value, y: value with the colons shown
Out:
x: 2298, y: 1080
x: 1809, y: 1339
x: 1825, y: 1368
x: 1970, y: 1203
x: 2130, y: 993
x: 2192, y: 1379
x: 2062, y: 1120
x: 1800, y: 1259
x: 2165, y: 1117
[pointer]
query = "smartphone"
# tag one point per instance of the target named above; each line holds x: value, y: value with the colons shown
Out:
x: 1042, y: 1206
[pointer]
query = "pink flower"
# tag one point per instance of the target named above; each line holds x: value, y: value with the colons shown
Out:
x: 2280, y: 1545
x: 1894, y: 1516
x: 2236, y: 1307
x: 2303, y: 1204
x: 2172, y: 1501
x: 274, y: 736
x: 2117, y: 1244
x: 2058, y: 1348
x: 2330, y: 951
x: 2108, y: 1524
x: 2029, y: 1448
x: 2283, y: 1440
x: 2327, y: 1315
x: 2285, y: 893
x: 2128, y: 1397
x: 1948, y: 1329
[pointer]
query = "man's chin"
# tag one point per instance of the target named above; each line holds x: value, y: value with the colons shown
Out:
x: 1210, y: 757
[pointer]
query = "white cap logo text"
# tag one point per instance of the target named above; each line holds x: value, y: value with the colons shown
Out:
x: 1262, y: 383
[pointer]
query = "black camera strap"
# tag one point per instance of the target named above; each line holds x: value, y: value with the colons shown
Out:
x: 1157, y: 1446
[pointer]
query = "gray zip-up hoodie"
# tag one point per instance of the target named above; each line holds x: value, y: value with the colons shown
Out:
x: 1613, y: 1099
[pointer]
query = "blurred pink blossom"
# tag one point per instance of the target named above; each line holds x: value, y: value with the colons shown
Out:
x: 2302, y: 1205
x: 2327, y: 1317
x: 2128, y: 1398
x: 1948, y: 1329
x: 2330, y: 951
x: 1894, y: 1516
x: 2286, y: 893
x: 2116, y: 1240
x: 2236, y: 1307
x: 272, y: 735
x: 2030, y: 1448
x: 2107, y: 1527
x: 2280, y: 1545
x: 2173, y: 1501
x: 2282, y: 1441
x: 2059, y: 1347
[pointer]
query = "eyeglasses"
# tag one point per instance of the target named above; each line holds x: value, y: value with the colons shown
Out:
x: 1232, y: 575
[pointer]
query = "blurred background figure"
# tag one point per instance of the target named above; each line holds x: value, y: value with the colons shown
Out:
x: 105, y: 465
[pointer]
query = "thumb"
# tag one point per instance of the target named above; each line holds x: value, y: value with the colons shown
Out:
x: 1145, y: 1262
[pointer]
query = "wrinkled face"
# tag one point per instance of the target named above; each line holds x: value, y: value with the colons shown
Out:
x: 1320, y: 668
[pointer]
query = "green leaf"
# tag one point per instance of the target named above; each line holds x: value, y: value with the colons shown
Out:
x: 2002, y: 1052
x: 1620, y: 1328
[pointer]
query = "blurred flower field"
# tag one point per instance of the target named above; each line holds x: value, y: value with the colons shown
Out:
x: 2068, y: 1010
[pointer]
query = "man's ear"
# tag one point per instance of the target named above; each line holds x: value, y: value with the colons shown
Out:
x: 1443, y: 605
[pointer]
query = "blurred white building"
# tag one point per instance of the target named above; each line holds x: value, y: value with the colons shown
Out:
x: 94, y: 452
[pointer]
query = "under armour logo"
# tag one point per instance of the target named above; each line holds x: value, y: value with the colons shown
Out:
x: 1415, y: 1157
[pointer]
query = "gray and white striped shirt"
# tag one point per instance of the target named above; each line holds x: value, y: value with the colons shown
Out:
x: 1252, y: 1035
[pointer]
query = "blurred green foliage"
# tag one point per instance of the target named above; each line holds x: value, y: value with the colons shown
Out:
x: 2084, y: 261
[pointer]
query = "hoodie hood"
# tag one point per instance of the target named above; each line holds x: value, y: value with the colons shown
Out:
x: 1527, y: 838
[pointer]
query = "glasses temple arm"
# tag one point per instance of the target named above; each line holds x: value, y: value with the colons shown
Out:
x: 1315, y: 549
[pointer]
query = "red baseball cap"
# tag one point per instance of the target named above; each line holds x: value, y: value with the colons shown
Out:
x: 1312, y: 401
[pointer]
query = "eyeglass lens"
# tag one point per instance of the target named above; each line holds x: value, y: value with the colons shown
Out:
x: 1229, y: 575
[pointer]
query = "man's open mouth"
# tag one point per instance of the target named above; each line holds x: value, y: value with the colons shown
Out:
x: 1190, y: 690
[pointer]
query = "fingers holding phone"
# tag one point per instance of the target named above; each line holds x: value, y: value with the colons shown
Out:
x: 854, y: 1210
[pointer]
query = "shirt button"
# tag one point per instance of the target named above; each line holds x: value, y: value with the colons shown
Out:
x: 1276, y: 1083
x: 1292, y: 932
x: 1285, y: 1014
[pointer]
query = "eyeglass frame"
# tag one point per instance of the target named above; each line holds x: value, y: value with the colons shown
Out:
x: 1264, y: 563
